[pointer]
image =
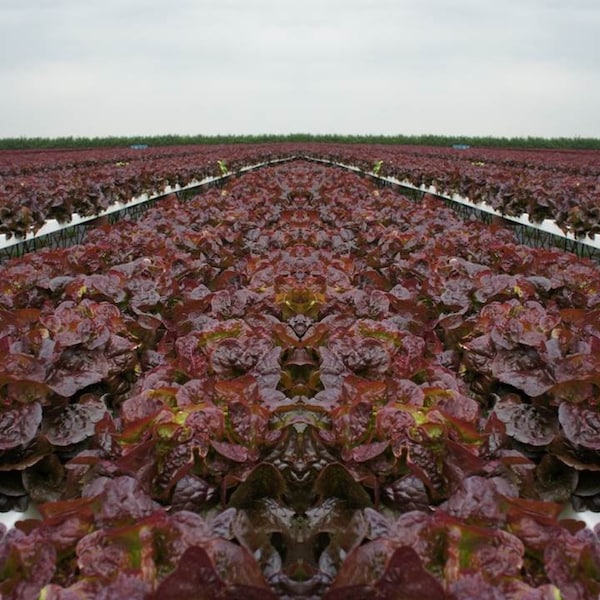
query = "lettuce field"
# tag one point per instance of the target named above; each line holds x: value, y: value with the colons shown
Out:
x: 298, y: 383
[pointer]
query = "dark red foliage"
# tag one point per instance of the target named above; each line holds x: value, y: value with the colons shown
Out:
x: 298, y: 385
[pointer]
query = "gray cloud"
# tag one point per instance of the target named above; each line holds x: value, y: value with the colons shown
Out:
x: 477, y: 67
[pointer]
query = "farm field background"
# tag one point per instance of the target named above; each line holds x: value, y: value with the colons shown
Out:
x: 558, y: 185
x: 299, y: 383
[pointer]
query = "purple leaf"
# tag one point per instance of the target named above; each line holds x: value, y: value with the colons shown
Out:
x: 19, y: 425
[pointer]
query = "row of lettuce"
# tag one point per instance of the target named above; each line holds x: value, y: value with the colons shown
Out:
x: 299, y: 386
x: 560, y: 186
x: 36, y: 186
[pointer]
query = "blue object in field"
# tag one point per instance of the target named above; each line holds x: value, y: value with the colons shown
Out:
x: 138, y: 146
x: 461, y: 146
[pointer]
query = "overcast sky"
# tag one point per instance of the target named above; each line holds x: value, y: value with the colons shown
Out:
x: 142, y: 67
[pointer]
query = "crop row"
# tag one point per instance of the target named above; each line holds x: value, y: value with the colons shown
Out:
x: 44, y: 190
x: 299, y: 386
x: 557, y: 185
x: 540, y: 186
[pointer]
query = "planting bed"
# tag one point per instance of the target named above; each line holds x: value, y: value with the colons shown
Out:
x: 300, y: 385
x: 72, y: 230
x: 559, y: 186
x: 548, y: 198
x: 41, y: 187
